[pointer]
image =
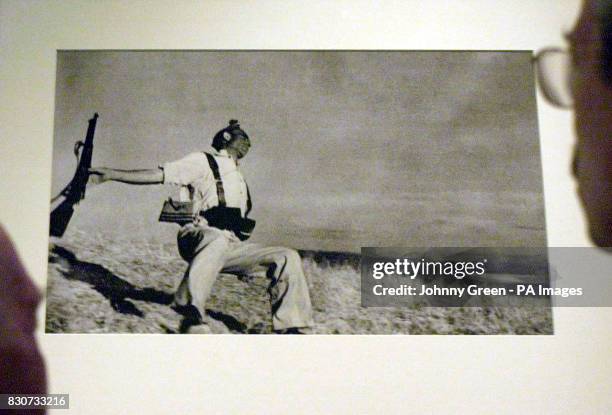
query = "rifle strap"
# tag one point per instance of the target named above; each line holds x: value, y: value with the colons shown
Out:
x: 66, y: 190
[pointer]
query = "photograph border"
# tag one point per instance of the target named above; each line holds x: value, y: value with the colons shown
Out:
x: 132, y: 374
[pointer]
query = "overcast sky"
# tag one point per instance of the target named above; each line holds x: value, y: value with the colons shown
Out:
x: 350, y: 149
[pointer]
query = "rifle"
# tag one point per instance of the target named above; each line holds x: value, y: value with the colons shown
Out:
x: 74, y: 192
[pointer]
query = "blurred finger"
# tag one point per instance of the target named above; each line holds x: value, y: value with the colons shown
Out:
x: 95, y: 179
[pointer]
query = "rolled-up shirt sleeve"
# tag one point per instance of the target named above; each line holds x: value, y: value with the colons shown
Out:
x: 186, y: 170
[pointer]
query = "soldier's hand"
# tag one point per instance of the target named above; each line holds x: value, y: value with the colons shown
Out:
x: 99, y: 175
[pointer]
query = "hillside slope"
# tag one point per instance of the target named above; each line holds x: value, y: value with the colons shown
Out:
x: 101, y: 285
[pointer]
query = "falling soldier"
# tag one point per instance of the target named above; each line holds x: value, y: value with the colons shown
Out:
x: 213, y: 214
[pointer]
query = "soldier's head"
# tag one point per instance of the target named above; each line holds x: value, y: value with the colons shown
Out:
x: 233, y: 139
x: 591, y: 90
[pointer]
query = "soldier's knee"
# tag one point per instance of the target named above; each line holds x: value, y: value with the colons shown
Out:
x: 286, y: 255
x: 280, y: 258
x: 288, y: 259
x: 292, y: 255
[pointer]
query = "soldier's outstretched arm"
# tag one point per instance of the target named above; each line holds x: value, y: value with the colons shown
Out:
x: 144, y: 176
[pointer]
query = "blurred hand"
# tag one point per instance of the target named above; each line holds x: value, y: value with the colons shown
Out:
x: 22, y: 368
x: 99, y: 175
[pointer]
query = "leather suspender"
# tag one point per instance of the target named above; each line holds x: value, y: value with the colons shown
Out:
x: 220, y: 190
x: 215, y: 171
x: 249, y: 203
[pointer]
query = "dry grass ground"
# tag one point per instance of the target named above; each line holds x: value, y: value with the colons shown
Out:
x: 102, y: 285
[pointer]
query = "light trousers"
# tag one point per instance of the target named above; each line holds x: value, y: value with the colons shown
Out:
x: 211, y: 251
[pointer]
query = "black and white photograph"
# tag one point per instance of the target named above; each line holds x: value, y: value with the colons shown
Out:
x: 231, y: 192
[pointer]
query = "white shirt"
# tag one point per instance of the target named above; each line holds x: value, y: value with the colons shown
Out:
x: 194, y: 173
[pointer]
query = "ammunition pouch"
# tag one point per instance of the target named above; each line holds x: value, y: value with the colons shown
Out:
x: 177, y: 212
x: 230, y: 219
